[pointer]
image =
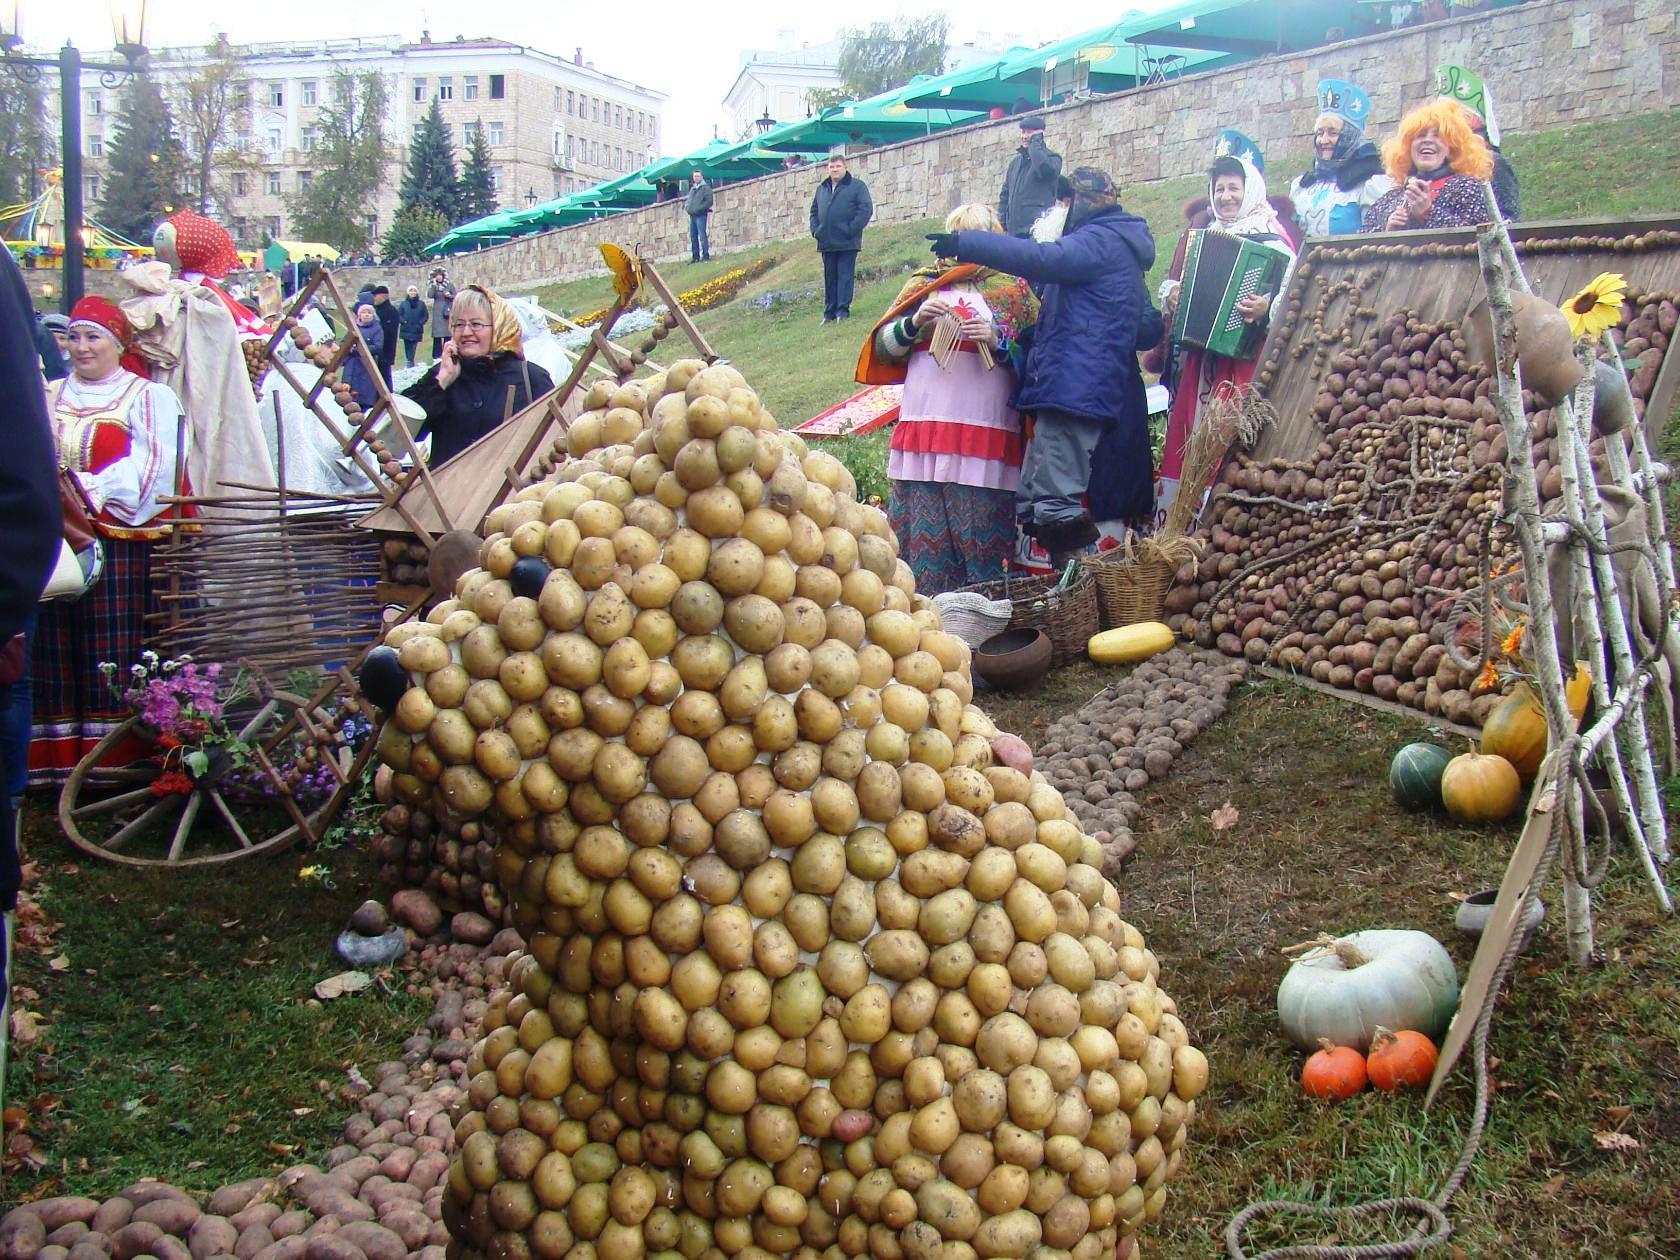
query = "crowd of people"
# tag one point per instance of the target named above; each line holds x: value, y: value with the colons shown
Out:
x: 1023, y: 437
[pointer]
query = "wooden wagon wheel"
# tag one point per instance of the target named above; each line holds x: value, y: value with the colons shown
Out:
x: 111, y: 810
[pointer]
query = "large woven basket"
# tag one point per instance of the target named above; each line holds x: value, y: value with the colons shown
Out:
x: 1133, y: 580
x: 1068, y: 617
x: 1129, y: 590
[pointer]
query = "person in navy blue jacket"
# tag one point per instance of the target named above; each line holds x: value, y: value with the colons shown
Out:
x: 29, y: 522
x: 1081, y: 375
x: 840, y: 209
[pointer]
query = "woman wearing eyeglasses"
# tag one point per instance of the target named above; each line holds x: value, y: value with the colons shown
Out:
x: 465, y: 393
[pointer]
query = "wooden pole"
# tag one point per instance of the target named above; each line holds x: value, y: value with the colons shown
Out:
x: 1521, y: 511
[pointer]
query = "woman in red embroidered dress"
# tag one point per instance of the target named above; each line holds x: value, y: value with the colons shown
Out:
x: 124, y: 438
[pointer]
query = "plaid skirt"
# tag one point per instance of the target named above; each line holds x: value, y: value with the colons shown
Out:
x: 951, y: 535
x: 74, y: 707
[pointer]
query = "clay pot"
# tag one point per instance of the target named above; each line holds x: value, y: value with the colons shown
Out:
x: 1476, y: 909
x: 1545, y: 350
x: 1016, y: 660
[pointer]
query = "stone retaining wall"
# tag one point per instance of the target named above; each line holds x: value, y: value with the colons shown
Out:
x: 1552, y: 63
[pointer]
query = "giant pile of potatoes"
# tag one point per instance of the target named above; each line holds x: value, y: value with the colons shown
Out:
x: 808, y: 972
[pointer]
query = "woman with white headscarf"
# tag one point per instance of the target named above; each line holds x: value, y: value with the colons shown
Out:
x: 1239, y: 205
x: 123, y: 439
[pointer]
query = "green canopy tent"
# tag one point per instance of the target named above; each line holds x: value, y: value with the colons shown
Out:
x: 623, y: 193
x: 680, y: 168
x: 1100, y: 60
x: 879, y: 119
x: 1255, y: 28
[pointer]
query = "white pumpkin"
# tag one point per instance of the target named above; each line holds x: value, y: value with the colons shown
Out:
x: 1385, y: 976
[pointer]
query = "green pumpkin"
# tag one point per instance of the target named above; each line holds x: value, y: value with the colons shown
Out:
x: 1414, y: 776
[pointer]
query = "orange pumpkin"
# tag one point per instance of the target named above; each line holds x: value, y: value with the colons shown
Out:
x: 1333, y: 1072
x: 1515, y: 729
x: 1398, y: 1059
x: 1478, y: 787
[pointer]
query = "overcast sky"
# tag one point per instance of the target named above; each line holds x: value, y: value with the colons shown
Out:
x: 690, y: 51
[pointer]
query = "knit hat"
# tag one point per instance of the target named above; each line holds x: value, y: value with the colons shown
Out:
x: 1466, y: 87
x: 1088, y: 181
x: 104, y: 315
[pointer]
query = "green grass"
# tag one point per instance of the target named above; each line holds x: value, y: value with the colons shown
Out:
x: 1598, y: 170
x: 179, y: 1035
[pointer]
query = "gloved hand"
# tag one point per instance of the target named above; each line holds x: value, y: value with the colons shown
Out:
x: 944, y: 244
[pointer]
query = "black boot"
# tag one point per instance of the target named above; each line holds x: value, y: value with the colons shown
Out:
x: 1063, y: 538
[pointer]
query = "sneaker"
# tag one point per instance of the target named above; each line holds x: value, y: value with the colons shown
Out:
x: 844, y: 315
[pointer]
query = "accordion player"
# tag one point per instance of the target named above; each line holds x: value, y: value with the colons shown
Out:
x: 1220, y: 271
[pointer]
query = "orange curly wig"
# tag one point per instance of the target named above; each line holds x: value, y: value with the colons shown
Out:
x: 1468, y: 152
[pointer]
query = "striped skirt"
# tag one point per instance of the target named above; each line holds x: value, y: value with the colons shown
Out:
x: 74, y: 707
x: 950, y: 535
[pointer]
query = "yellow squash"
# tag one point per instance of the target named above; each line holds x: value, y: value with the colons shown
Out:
x: 1124, y: 644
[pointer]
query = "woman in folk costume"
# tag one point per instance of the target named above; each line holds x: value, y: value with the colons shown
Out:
x: 1347, y: 171
x: 1467, y: 88
x: 1237, y: 199
x: 124, y: 439
x: 1440, y: 168
x: 955, y: 459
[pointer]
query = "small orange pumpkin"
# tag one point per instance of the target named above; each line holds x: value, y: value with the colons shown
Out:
x: 1404, y: 1058
x: 1478, y: 787
x: 1577, y: 690
x: 1515, y: 729
x: 1333, y: 1072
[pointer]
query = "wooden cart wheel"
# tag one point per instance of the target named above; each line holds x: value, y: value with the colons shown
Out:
x: 111, y: 811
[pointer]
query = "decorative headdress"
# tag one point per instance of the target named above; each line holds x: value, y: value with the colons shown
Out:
x: 106, y: 316
x: 1467, y: 88
x: 1232, y: 143
x: 1344, y: 100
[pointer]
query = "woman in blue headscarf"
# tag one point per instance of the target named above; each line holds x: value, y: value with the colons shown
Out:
x: 1347, y: 172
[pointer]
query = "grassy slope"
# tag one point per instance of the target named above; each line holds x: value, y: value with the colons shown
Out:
x: 234, y: 1042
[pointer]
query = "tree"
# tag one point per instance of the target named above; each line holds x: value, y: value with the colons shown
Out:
x: 415, y: 228
x: 891, y: 53
x: 818, y: 99
x: 26, y: 142
x: 334, y: 208
x: 146, y: 164
x: 429, y: 183
x: 215, y: 112
x: 478, y: 187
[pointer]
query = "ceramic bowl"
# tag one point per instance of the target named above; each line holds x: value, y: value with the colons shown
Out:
x: 1016, y: 660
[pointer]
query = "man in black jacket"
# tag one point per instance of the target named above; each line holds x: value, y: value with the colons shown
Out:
x: 386, y: 312
x: 839, y: 211
x: 699, y: 209
x: 1029, y: 185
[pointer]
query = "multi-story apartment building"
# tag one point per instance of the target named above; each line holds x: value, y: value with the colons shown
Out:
x: 553, y: 124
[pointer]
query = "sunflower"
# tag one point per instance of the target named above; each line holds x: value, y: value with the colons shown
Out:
x: 1596, y: 307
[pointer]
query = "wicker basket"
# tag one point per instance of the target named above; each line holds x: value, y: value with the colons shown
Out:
x: 1129, y: 590
x: 1068, y: 616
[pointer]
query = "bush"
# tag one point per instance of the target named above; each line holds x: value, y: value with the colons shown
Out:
x: 865, y: 458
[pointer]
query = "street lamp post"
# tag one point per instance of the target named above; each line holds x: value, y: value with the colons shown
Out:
x: 128, y: 23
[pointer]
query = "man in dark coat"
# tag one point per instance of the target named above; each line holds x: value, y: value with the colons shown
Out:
x: 839, y: 211
x: 386, y: 310
x: 29, y: 522
x: 1081, y: 372
x: 1029, y: 185
x: 412, y: 315
x: 699, y: 209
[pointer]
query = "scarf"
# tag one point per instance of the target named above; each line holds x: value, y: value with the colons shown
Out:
x: 1347, y: 140
x: 505, y: 334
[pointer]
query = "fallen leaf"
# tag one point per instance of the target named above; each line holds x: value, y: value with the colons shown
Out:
x: 70, y: 868
x: 61, y: 963
x: 1608, y: 1141
x: 344, y: 982
x: 1618, y: 1116
x: 1224, y: 818
x: 24, y: 1027
x: 1554, y: 1184
x: 303, y: 1111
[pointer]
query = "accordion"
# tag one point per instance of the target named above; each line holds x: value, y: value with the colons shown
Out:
x: 1220, y: 270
